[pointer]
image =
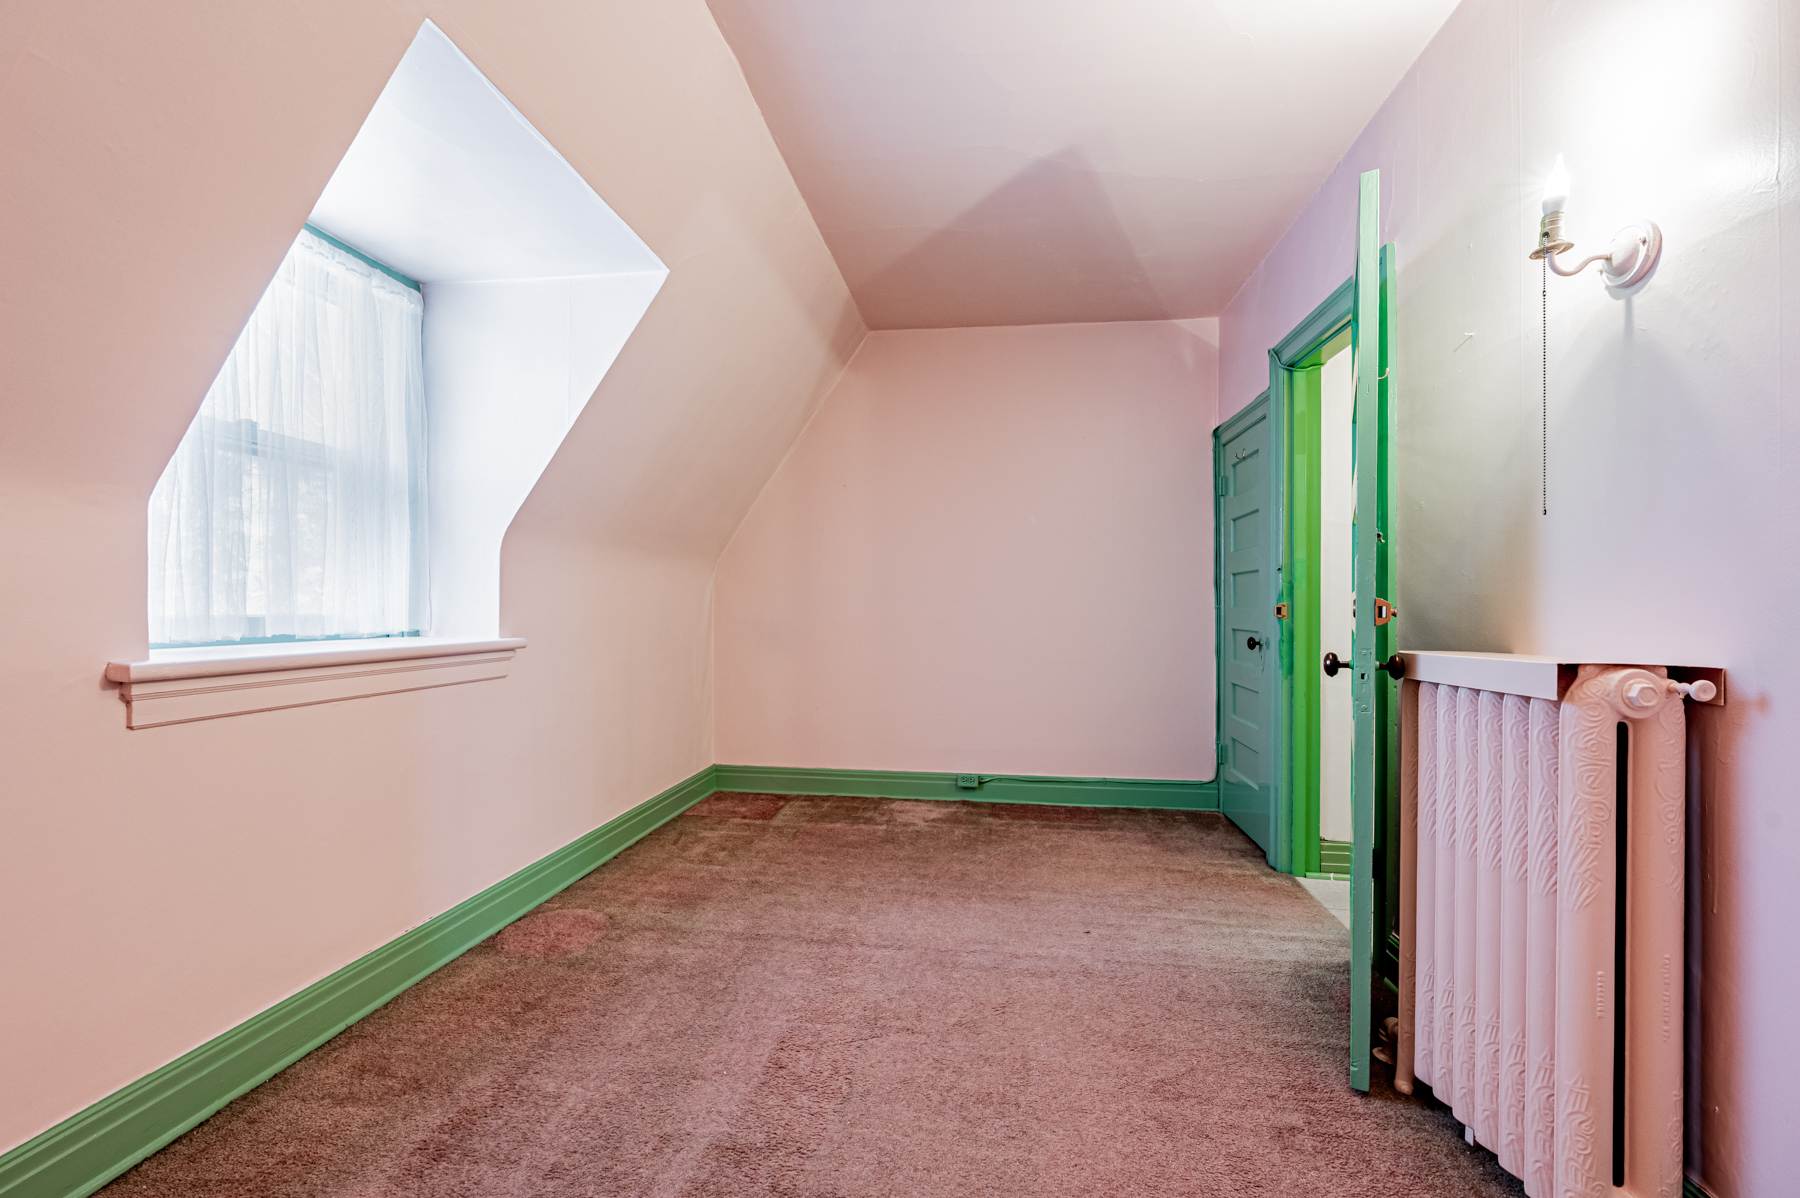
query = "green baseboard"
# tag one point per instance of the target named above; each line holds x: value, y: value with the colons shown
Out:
x: 89, y: 1149
x: 900, y: 784
x: 1334, y: 857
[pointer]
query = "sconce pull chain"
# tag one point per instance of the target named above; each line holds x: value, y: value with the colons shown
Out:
x: 1544, y: 463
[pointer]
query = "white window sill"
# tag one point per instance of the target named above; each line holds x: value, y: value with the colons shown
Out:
x: 178, y: 686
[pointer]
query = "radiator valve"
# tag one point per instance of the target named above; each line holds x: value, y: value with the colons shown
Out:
x: 1700, y: 690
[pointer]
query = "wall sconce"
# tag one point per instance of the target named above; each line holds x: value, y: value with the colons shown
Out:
x: 1633, y: 253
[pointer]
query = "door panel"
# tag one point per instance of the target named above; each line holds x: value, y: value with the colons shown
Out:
x: 1371, y: 687
x: 1246, y: 659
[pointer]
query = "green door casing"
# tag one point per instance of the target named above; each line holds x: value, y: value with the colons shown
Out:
x: 1248, y: 692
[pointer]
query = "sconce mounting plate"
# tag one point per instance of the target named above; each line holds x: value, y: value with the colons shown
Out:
x: 1635, y: 249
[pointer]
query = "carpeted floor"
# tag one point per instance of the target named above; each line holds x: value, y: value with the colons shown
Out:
x: 849, y: 997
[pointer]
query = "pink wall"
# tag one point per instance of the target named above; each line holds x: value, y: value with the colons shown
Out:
x: 159, y: 887
x: 990, y: 551
x: 1673, y: 482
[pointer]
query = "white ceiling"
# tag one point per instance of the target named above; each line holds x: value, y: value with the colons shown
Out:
x: 979, y: 162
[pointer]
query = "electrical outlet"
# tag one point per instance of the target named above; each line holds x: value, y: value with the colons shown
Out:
x: 968, y: 781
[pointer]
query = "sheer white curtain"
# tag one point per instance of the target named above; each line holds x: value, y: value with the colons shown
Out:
x: 295, y: 505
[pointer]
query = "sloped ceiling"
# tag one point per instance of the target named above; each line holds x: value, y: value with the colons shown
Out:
x: 988, y: 162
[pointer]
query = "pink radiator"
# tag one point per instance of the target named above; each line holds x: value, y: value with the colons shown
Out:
x: 1512, y: 984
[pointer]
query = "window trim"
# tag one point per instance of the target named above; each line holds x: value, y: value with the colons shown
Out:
x: 245, y: 438
x: 379, y: 265
x: 180, y: 686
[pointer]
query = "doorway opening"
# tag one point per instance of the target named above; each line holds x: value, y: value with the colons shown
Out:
x: 1324, y: 835
x: 1312, y: 377
x: 1279, y: 776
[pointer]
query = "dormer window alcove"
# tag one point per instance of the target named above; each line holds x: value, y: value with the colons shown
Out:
x: 331, y: 526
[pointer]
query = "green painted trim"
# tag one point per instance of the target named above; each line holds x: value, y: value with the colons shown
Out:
x: 383, y: 267
x: 994, y: 788
x: 85, y: 1151
x: 1294, y: 380
x: 1693, y: 1189
x: 1283, y: 834
x: 1301, y: 635
x: 1367, y: 690
x: 1321, y: 324
x: 1386, y: 863
x: 1334, y: 856
x: 1329, y: 348
x: 1265, y: 405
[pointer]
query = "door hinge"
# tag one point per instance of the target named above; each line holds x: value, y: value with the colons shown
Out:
x: 1219, y: 482
x: 1221, y: 752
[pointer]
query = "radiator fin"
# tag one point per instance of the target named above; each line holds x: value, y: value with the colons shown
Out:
x: 1509, y: 865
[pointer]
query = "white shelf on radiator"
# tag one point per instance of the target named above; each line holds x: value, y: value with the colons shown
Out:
x: 1527, y: 674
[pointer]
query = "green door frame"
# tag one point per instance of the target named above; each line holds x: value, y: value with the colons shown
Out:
x: 1294, y: 395
x: 1293, y: 399
x: 1294, y: 389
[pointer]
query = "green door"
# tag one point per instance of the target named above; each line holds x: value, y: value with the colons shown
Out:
x: 1374, y: 702
x: 1248, y: 690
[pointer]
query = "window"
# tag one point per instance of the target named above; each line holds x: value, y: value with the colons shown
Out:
x: 294, y: 508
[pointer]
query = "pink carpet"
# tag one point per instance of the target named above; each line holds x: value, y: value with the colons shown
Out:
x: 847, y: 997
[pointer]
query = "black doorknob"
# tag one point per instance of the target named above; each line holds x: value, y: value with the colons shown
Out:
x: 1332, y: 665
x: 1250, y: 642
x: 1395, y: 666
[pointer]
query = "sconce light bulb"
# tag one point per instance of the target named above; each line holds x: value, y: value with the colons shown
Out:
x: 1556, y: 188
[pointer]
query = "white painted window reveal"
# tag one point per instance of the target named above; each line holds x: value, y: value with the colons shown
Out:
x: 531, y: 286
